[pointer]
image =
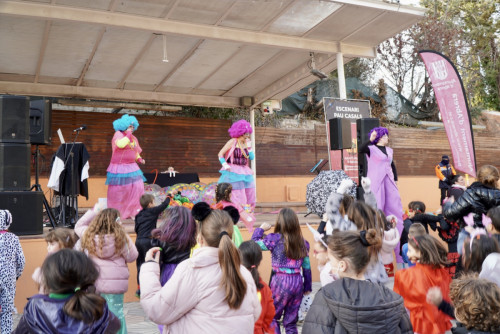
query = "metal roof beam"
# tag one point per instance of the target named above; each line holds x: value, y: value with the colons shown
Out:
x: 162, y: 26
x: 32, y: 89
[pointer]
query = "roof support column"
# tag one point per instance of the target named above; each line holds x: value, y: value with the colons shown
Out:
x: 340, y: 72
x: 252, y: 136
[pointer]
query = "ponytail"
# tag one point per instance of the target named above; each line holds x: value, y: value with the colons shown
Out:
x: 216, y: 227
x: 70, y: 271
x: 251, y: 256
x: 85, y: 306
x: 232, y: 280
x: 354, y: 246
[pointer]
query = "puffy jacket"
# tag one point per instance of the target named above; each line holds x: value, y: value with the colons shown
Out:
x: 113, y: 269
x: 43, y: 314
x: 192, y: 301
x: 478, y: 198
x: 356, y: 306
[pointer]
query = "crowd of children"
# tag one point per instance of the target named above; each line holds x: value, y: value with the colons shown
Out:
x: 197, y: 275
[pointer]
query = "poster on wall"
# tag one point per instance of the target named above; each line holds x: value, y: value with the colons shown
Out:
x: 346, y: 159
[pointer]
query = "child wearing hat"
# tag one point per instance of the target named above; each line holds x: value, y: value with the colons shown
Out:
x: 444, y: 172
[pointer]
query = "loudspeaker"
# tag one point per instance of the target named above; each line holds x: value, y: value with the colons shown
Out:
x: 40, y: 122
x: 26, y: 208
x: 15, y: 167
x: 14, y: 122
x: 363, y: 126
x: 340, y: 133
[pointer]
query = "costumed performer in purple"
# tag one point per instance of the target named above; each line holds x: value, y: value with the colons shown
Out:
x: 382, y: 173
x: 235, y: 157
x: 124, y: 178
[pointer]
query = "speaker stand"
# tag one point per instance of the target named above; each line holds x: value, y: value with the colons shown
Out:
x: 38, y: 187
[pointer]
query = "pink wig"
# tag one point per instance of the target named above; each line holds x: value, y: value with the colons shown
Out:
x: 239, y: 128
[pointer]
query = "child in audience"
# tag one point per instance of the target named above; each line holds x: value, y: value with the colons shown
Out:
x: 223, y: 199
x: 490, y: 269
x: 176, y: 236
x: 11, y: 267
x: 251, y: 256
x: 416, y: 230
x: 71, y: 306
x: 210, y: 292
x: 57, y: 239
x: 105, y: 241
x: 235, y: 217
x: 353, y: 304
x: 366, y: 217
x: 320, y: 250
x: 389, y: 242
x: 145, y: 222
x: 477, y: 305
x: 413, y: 283
x: 476, y: 249
x: 289, y: 257
x: 494, y: 227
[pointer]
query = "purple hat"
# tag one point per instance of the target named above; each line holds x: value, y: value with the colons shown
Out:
x: 239, y: 128
x: 381, y: 131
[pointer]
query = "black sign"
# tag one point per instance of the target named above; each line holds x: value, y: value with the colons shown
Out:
x: 350, y: 109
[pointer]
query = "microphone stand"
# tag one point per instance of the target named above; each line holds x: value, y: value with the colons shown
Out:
x: 38, y: 187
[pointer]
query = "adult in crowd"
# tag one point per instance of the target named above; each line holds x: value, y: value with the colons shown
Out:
x: 481, y: 196
x: 444, y: 172
x: 124, y: 178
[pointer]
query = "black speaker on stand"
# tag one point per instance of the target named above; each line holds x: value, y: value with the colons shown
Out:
x: 40, y: 122
x: 363, y: 127
x: 340, y: 133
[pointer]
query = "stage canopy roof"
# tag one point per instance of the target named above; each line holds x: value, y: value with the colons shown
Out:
x: 218, y: 51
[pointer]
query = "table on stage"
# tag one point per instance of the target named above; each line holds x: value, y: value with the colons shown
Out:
x: 165, y: 180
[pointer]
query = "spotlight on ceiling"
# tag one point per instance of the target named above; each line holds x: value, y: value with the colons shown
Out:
x: 314, y: 70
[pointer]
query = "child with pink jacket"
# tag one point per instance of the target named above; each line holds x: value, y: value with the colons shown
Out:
x: 211, y: 292
x: 105, y: 241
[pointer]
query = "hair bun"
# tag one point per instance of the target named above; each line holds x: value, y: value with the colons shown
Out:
x: 372, y: 238
x: 200, y: 211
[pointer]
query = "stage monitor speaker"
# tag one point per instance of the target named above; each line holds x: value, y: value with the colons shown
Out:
x: 14, y: 121
x: 15, y: 167
x: 340, y: 133
x: 26, y: 208
x: 363, y: 126
x: 40, y: 122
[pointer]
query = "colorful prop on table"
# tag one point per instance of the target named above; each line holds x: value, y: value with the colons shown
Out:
x: 452, y: 102
x: 200, y: 186
x: 171, y: 171
x: 208, y: 194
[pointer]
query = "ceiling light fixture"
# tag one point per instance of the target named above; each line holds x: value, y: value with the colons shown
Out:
x: 314, y: 70
x: 165, y: 58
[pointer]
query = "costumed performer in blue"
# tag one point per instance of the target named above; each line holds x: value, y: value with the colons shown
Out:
x: 382, y: 173
x: 124, y: 178
x: 235, y: 157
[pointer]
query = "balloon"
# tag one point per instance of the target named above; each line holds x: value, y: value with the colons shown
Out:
x: 208, y: 194
x: 192, y: 194
x: 200, y: 186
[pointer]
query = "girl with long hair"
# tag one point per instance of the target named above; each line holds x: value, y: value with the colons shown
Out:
x: 211, y: 292
x: 291, y: 265
x: 71, y: 304
x: 105, y: 241
x: 413, y: 283
x: 353, y: 304
x: 251, y: 256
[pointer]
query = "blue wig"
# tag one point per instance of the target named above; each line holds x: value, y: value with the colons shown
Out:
x: 121, y: 124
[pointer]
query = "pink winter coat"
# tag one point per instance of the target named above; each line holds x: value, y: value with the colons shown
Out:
x: 192, y: 301
x: 113, y: 269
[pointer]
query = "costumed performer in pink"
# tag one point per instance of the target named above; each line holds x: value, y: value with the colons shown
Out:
x: 124, y: 178
x: 235, y: 157
x: 382, y: 173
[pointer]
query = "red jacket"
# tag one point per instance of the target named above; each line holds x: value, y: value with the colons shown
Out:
x: 263, y: 325
x: 412, y: 284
